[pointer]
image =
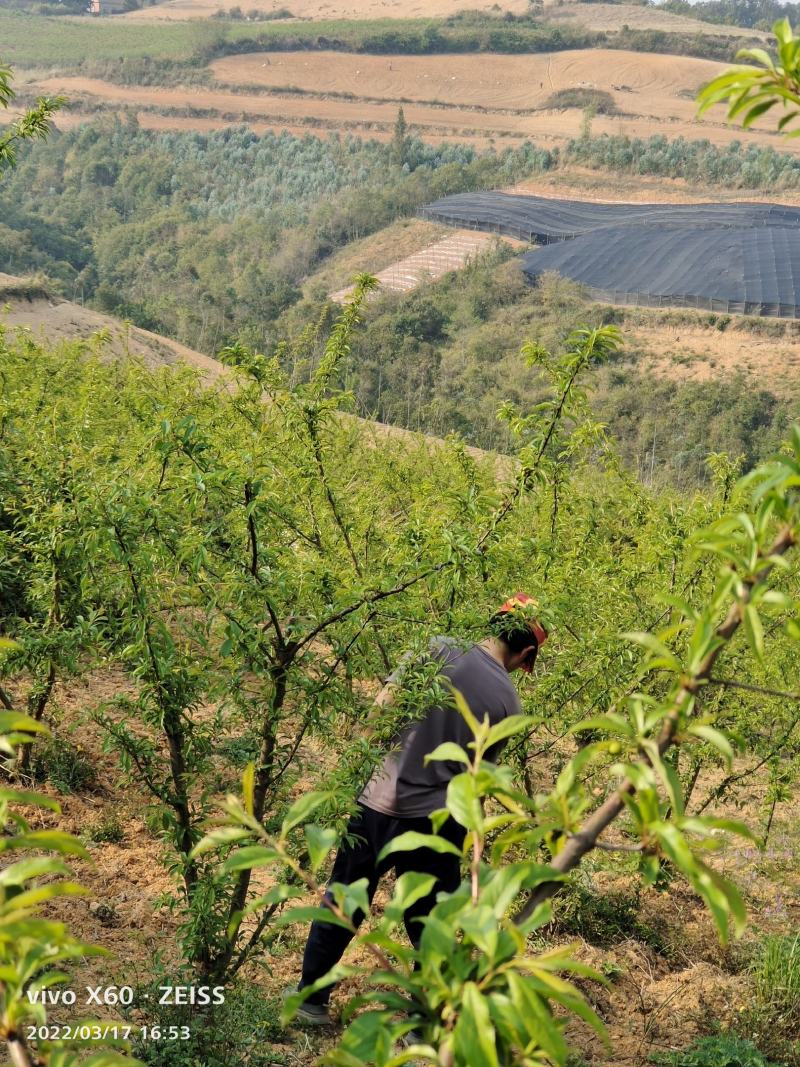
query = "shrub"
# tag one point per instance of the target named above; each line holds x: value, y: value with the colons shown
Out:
x: 722, y: 1050
x: 603, y: 918
x: 242, y: 1030
x: 64, y: 765
x: 773, y: 1020
x: 106, y: 830
x: 601, y: 101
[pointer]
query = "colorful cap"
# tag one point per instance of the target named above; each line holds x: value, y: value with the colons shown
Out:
x: 522, y: 600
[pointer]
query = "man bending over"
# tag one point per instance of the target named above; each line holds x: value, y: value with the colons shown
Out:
x: 404, y: 790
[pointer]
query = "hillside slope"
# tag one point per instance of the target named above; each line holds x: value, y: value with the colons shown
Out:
x: 26, y: 304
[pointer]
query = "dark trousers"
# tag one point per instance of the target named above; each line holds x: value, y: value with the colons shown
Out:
x: 373, y: 830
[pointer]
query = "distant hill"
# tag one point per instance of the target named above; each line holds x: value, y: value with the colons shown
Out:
x: 27, y: 304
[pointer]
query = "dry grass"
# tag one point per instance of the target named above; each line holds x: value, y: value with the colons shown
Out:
x: 456, y: 97
x: 582, y: 183
x: 451, y: 252
x: 28, y: 307
x: 327, y: 9
x: 613, y: 16
x: 654, y: 999
x: 374, y: 253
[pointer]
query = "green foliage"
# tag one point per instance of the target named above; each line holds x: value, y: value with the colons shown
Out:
x: 34, y: 950
x: 241, y: 1030
x: 257, y: 526
x: 64, y: 765
x: 752, y: 91
x: 445, y: 358
x: 755, y: 14
x: 723, y: 1050
x: 473, y: 992
x: 32, y: 125
x: 208, y: 238
x: 603, y: 918
x: 248, y: 556
x: 736, y: 166
x: 771, y: 1020
x: 469, y: 993
x: 106, y: 830
x: 599, y: 100
x: 38, y: 41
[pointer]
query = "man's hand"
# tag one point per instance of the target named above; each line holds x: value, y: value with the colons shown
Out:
x: 382, y: 700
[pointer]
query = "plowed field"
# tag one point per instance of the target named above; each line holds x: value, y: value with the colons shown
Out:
x: 458, y: 97
x: 614, y: 16
x: 327, y: 9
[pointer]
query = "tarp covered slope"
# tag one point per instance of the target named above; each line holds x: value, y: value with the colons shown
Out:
x: 725, y: 257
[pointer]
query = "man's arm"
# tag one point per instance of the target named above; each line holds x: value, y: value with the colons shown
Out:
x: 382, y: 700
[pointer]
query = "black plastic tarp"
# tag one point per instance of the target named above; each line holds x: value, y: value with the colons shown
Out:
x: 757, y: 267
x: 735, y: 257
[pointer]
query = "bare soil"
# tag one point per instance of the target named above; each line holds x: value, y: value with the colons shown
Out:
x: 615, y: 16
x: 327, y: 9
x: 593, y: 16
x: 702, y: 352
x: 502, y: 98
x: 55, y: 320
x: 517, y: 82
x: 662, y: 991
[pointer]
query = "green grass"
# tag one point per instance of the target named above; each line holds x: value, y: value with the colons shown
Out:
x: 38, y: 41
x: 35, y: 40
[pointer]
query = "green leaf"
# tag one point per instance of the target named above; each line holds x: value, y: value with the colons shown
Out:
x: 223, y: 835
x: 250, y: 857
x: 320, y: 840
x: 309, y: 914
x: 474, y: 1039
x: 14, y: 722
x: 464, y: 802
x: 303, y: 808
x: 448, y: 750
x: 466, y: 714
x: 412, y: 840
x: 512, y: 724
x: 754, y: 630
x: 409, y: 888
x: 714, y: 738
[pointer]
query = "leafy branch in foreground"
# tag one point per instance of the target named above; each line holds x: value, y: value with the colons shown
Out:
x: 33, y: 949
x: 474, y: 993
x: 751, y: 91
x: 34, y: 124
x: 470, y: 995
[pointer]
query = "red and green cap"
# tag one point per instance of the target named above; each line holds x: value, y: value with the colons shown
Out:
x: 523, y: 604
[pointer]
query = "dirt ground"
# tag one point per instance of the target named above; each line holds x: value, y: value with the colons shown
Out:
x: 650, y: 17
x: 56, y: 320
x: 702, y: 353
x: 501, y: 99
x: 519, y: 82
x: 327, y: 9
x: 664, y: 989
x: 594, y: 16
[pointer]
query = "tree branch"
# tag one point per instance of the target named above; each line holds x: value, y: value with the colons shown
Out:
x: 729, y: 683
x: 371, y: 598
x: 587, y: 837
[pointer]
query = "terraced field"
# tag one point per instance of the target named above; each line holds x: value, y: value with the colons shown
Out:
x: 328, y: 9
x: 505, y: 98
